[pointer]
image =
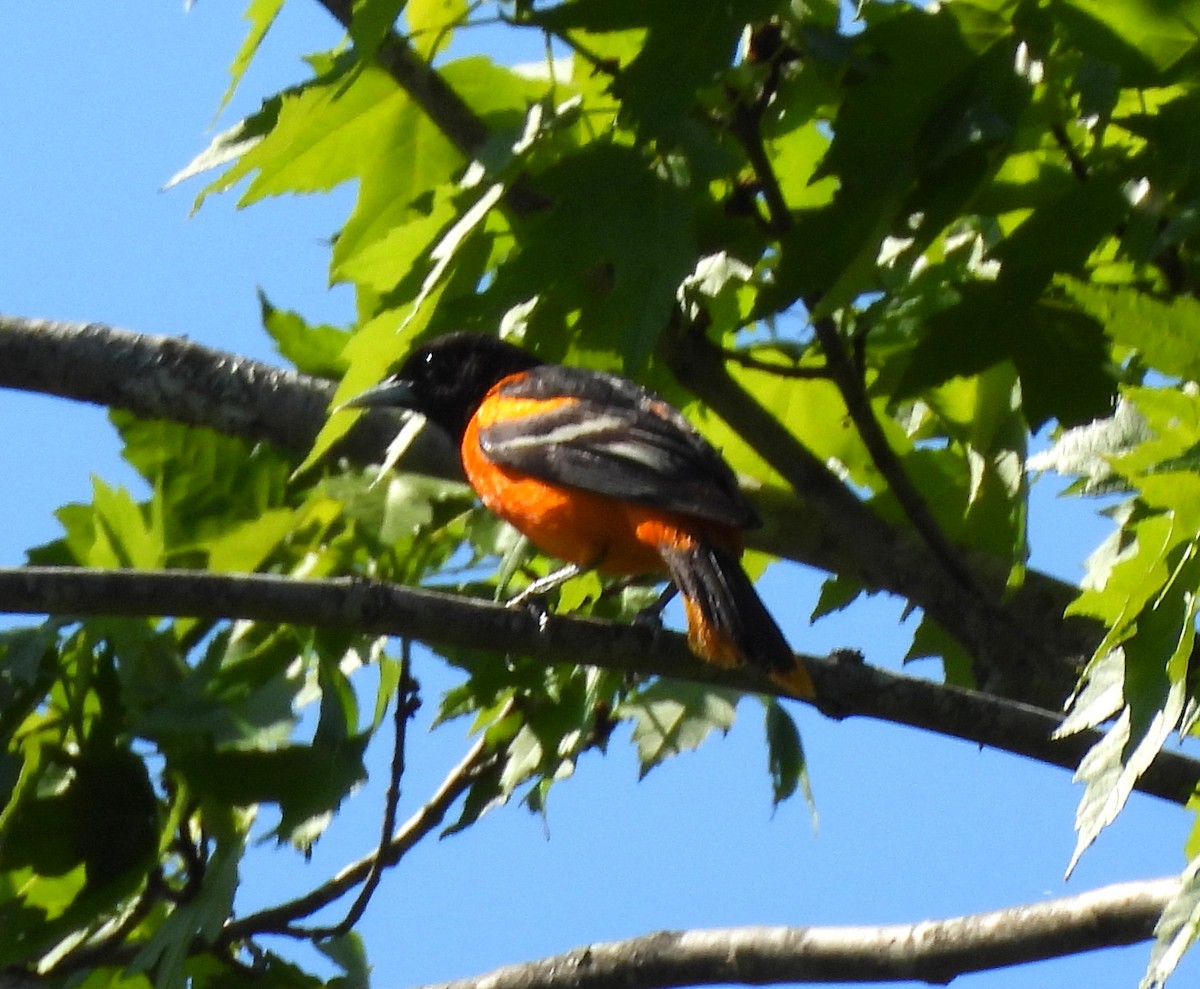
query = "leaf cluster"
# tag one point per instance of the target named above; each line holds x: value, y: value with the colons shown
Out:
x: 913, y: 240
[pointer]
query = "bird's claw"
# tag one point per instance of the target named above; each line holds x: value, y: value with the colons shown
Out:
x: 534, y: 605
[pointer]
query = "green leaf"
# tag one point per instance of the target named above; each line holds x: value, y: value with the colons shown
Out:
x: 1063, y: 360
x: 375, y: 348
x: 1085, y: 452
x: 904, y: 116
x: 484, y: 795
x: 670, y: 717
x: 687, y: 44
x: 315, y: 350
x: 325, y: 134
x: 370, y: 22
x: 305, y: 782
x: 349, y: 953
x: 616, y: 246
x: 1163, y: 333
x: 431, y: 24
x: 200, y: 917
x: 409, y: 191
x: 1176, y: 929
x: 261, y: 14
x: 1155, y: 690
x: 29, y: 662
x: 785, y: 756
x: 125, y: 536
x: 1099, y: 697
x: 245, y: 547
x: 930, y: 640
x: 206, y: 483
x: 1142, y: 37
x: 228, y: 146
x: 73, y: 851
x: 837, y: 594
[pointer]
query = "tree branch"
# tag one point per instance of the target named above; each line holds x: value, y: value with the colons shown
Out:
x: 845, y: 687
x: 745, y: 126
x: 170, y: 378
x: 820, y: 524
x: 162, y: 377
x: 858, y: 405
x: 931, y: 951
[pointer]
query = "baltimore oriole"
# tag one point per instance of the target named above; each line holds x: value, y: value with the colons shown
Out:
x: 601, y: 473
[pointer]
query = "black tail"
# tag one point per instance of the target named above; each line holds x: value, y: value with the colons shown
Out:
x: 727, y: 621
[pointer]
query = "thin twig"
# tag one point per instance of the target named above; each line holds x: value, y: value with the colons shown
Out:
x: 858, y: 405
x: 406, y: 706
x: 280, y: 919
x: 748, y: 360
x: 1078, y: 166
x: 1017, y: 661
x: 744, y: 125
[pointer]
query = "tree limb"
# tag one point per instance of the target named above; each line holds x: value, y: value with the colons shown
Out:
x: 820, y: 524
x: 845, y: 687
x: 407, y: 702
x: 162, y: 377
x: 930, y: 951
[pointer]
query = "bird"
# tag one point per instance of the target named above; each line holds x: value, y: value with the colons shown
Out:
x: 604, y: 475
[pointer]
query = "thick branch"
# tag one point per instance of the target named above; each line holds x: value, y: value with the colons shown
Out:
x: 160, y: 377
x: 932, y: 951
x: 846, y: 687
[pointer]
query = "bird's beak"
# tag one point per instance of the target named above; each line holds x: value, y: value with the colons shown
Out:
x: 386, y: 394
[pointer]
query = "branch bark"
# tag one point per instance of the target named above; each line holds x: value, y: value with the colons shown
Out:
x: 931, y: 951
x: 162, y: 377
x: 846, y: 687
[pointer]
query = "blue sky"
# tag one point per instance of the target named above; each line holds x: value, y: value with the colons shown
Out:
x: 99, y: 106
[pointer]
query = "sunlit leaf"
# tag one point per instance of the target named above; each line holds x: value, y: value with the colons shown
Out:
x: 673, y: 717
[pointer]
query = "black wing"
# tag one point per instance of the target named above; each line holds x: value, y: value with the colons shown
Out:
x: 614, y: 438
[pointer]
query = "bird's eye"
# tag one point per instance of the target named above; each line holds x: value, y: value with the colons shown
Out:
x: 440, y: 372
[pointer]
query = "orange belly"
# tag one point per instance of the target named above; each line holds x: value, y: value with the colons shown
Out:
x: 592, y: 530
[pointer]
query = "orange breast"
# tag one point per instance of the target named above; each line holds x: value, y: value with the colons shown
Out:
x: 579, y: 526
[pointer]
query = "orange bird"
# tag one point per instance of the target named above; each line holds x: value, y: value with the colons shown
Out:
x: 605, y: 475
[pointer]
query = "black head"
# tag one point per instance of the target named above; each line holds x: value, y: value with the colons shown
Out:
x: 448, y: 377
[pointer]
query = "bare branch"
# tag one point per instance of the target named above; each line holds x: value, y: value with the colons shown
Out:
x: 162, y: 377
x: 845, y: 687
x: 858, y: 405
x: 745, y: 126
x: 931, y: 951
